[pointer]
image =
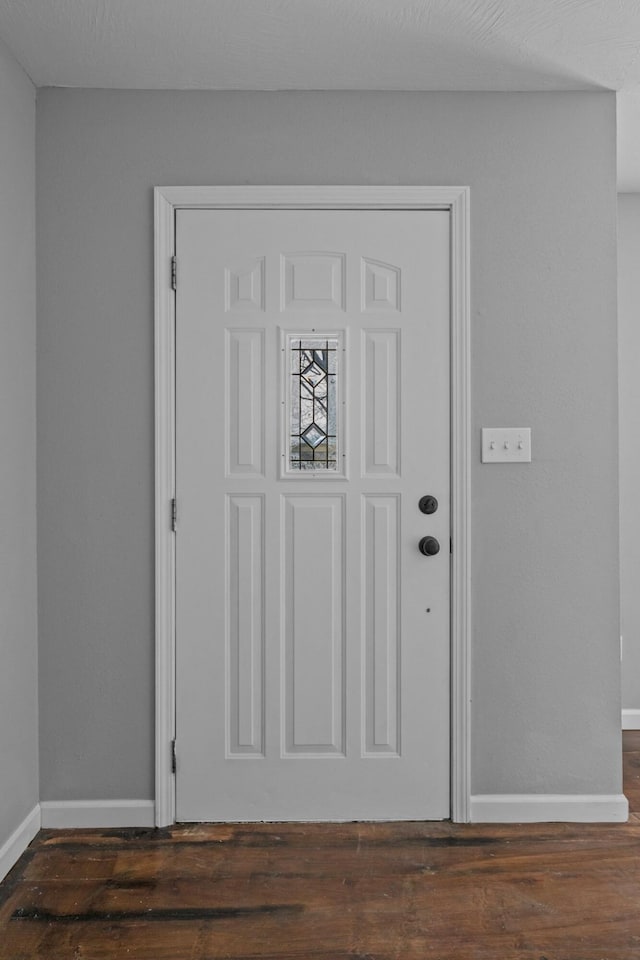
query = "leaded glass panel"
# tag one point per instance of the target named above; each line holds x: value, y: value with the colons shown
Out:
x: 313, y: 387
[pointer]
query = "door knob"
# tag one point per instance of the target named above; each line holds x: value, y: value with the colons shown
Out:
x: 429, y: 546
x: 427, y: 504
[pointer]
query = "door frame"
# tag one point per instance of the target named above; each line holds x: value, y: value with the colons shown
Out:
x: 167, y: 200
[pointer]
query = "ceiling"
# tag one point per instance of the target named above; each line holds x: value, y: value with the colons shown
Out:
x: 337, y: 45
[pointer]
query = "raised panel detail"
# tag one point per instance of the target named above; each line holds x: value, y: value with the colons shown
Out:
x: 381, y: 402
x: 381, y: 625
x: 313, y: 281
x: 380, y: 286
x: 314, y: 612
x: 244, y: 287
x: 245, y: 626
x: 244, y: 426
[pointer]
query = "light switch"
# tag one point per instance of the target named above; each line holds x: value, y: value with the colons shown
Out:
x: 506, y: 444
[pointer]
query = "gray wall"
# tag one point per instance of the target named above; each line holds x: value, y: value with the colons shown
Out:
x: 18, y: 589
x: 629, y: 389
x: 546, y: 700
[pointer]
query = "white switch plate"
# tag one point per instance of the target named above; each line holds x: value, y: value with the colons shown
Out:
x: 506, y: 444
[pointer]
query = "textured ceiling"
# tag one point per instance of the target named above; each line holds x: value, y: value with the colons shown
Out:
x: 337, y: 45
x: 327, y: 44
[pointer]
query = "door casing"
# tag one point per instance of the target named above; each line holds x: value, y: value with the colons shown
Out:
x: 167, y: 200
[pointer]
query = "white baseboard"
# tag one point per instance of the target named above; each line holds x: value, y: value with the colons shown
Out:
x: 548, y: 808
x: 14, y: 847
x: 631, y: 719
x: 97, y: 813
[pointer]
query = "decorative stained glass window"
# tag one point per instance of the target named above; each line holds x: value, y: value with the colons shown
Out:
x: 313, y: 405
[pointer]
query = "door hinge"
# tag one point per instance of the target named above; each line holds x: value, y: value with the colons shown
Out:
x: 173, y: 756
x: 174, y: 273
x: 174, y: 515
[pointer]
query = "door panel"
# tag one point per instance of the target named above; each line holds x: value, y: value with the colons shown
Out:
x: 244, y: 402
x: 312, y: 412
x: 314, y: 605
x: 381, y: 434
x: 381, y: 627
x: 245, y: 625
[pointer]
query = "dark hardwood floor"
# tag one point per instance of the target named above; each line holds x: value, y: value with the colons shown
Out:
x: 394, y: 891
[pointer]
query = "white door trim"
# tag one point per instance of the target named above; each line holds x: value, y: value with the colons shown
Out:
x: 167, y: 201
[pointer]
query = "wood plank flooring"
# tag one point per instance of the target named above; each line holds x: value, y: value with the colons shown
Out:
x: 394, y: 891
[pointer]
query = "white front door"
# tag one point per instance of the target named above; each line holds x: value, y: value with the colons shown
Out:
x: 312, y: 415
